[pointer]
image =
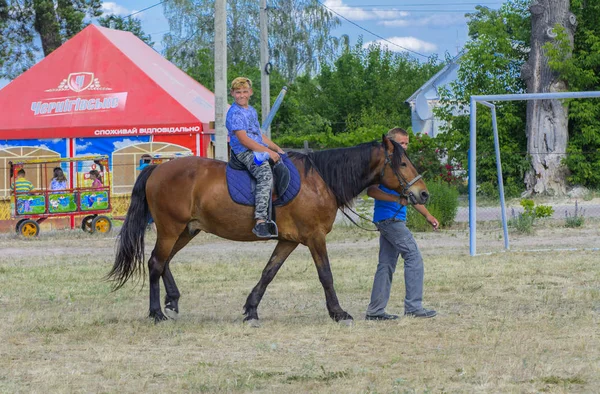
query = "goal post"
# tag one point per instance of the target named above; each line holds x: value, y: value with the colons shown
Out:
x: 486, y: 100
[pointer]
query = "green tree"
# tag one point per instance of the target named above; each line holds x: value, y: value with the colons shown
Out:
x: 53, y: 21
x: 491, y: 64
x: 300, y: 37
x: 369, y: 86
x: 132, y: 25
x: 582, y: 73
x: 191, y: 24
x: 4, y: 50
x: 299, y: 34
x: 355, y: 99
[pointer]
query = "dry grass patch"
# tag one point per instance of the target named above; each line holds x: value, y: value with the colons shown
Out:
x: 508, y: 322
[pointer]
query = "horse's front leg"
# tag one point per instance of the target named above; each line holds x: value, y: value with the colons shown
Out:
x: 318, y: 250
x: 280, y: 254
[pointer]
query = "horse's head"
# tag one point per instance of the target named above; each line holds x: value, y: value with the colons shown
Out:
x: 399, y: 174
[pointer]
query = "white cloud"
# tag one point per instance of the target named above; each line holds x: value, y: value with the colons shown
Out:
x: 360, y: 14
x: 52, y: 140
x: 82, y: 147
x: 411, y: 43
x: 126, y: 142
x: 432, y: 21
x: 110, y: 8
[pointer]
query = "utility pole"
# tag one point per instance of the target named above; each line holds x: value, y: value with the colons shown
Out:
x: 265, y: 93
x: 220, y: 79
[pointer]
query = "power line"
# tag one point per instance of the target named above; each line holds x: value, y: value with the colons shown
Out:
x: 185, y: 41
x: 405, y: 10
x: 160, y: 32
x: 417, y: 4
x: 370, y: 32
x: 145, y: 9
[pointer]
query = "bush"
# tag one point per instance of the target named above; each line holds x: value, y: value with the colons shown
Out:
x: 577, y: 220
x: 523, y: 222
x: 429, y: 157
x: 443, y: 205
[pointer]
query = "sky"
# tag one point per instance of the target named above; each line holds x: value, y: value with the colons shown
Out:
x: 421, y: 27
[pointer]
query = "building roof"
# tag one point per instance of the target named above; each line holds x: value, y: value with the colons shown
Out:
x: 104, y: 82
x: 449, y: 67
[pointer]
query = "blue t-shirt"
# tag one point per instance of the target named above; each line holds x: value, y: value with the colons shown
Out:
x: 387, y: 210
x: 239, y: 118
x: 55, y: 184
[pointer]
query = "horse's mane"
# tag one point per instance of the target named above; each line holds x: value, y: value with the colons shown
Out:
x: 346, y: 171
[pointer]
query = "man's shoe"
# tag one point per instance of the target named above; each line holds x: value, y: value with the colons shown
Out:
x: 422, y: 313
x: 261, y: 230
x: 384, y: 316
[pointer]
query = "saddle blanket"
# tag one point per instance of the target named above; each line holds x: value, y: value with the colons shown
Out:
x: 241, y: 185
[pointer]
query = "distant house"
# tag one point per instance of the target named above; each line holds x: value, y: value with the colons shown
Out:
x: 426, y: 98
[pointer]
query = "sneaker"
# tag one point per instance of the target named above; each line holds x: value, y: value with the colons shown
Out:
x: 261, y: 230
x: 422, y: 313
x: 384, y: 316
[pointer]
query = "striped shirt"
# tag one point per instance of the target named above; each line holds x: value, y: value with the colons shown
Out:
x: 22, y: 185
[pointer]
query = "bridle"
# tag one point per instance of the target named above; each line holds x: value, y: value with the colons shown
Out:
x: 403, y: 182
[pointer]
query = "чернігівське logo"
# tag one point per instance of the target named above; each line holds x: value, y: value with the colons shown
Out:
x: 93, y: 101
x: 78, y: 82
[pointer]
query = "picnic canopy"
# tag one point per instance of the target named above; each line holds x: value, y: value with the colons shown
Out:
x: 105, y: 83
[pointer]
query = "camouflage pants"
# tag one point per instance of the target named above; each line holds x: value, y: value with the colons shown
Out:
x: 264, y: 183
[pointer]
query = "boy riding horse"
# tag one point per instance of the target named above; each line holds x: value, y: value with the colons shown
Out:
x: 246, y: 138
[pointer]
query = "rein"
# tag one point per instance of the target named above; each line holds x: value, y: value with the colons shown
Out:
x: 364, y: 218
x: 360, y: 216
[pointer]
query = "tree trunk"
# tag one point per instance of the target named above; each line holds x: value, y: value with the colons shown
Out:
x: 547, y: 120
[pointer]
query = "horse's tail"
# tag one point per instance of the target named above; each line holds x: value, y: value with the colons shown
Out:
x: 130, y: 242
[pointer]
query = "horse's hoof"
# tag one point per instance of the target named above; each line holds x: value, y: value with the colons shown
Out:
x: 171, y: 314
x: 347, y: 322
x: 158, y: 317
x: 254, y: 323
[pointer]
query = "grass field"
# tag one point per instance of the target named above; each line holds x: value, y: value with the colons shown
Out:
x: 508, y: 322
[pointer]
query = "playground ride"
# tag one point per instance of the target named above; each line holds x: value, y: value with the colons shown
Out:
x: 78, y: 198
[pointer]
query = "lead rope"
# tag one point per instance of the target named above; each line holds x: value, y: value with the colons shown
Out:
x: 364, y: 218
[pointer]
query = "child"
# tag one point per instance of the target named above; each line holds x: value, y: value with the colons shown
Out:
x: 245, y: 138
x: 145, y: 161
x: 22, y: 185
x: 59, y: 182
x: 96, y: 180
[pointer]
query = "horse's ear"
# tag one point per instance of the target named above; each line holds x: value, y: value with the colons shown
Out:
x: 387, y: 143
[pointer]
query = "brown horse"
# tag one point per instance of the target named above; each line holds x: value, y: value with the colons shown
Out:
x: 189, y: 195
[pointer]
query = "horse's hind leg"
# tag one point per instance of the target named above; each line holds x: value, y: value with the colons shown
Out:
x: 164, y: 250
x: 281, y: 252
x: 318, y: 250
x: 172, y: 296
x: 156, y: 266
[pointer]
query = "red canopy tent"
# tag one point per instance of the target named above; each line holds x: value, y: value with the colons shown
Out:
x: 107, y: 83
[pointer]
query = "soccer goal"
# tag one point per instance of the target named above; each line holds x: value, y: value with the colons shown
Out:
x: 486, y: 101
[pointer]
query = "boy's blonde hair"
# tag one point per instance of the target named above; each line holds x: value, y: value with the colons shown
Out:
x: 241, y: 83
x: 395, y: 131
